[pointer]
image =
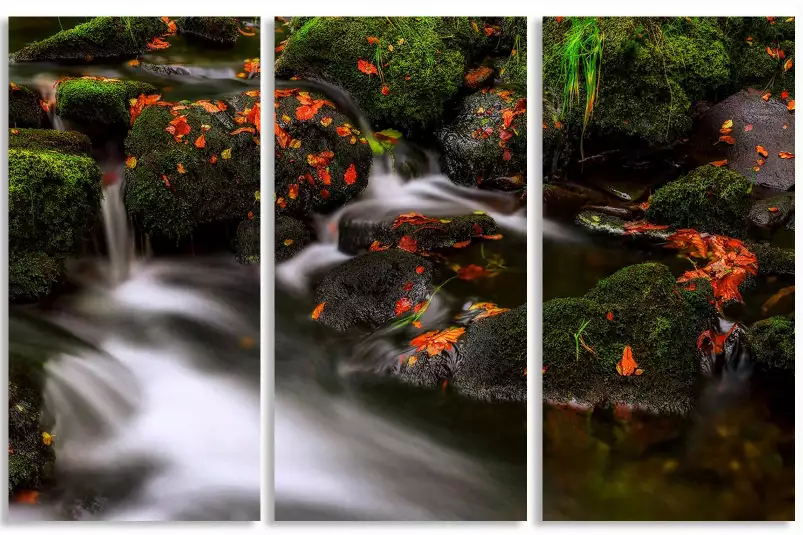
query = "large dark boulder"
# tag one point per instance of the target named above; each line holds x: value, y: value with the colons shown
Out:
x: 24, y: 108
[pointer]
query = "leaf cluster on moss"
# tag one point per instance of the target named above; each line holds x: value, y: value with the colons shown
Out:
x: 423, y: 71
x: 657, y: 319
x: 205, y: 192
x: 57, y: 140
x: 24, y: 110
x: 710, y: 199
x: 97, y: 101
x: 101, y: 37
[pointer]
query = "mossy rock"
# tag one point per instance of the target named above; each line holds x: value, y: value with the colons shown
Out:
x: 421, y: 73
x: 477, y: 149
x: 100, y: 38
x: 24, y: 109
x: 773, y: 260
x: 56, y: 140
x: 710, y: 199
x: 292, y: 235
x: 247, y: 243
x: 221, y: 30
x: 305, y: 183
x: 31, y: 463
x: 98, y: 102
x: 174, y: 205
x: 32, y: 275
x: 367, y: 289
x: 355, y: 235
x: 772, y: 343
x: 774, y: 211
x: 657, y: 319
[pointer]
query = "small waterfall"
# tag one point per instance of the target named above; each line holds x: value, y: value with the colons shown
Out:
x: 115, y: 224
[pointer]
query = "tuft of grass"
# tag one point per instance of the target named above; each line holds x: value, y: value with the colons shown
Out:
x: 578, y: 338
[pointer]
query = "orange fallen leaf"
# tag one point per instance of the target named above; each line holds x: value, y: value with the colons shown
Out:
x: 488, y: 310
x: 492, y: 236
x: 281, y: 136
x: 461, y: 244
x: 15, y: 131
x: 638, y: 227
x: 727, y: 139
x: 435, y: 342
x: 180, y: 168
x: 27, y: 496
x: 318, y: 309
x: 402, y: 305
x: 200, y: 142
x: 772, y: 209
x: 326, y: 121
x: 790, y: 105
x: 408, y: 243
x: 47, y: 438
x: 628, y: 365
x: 727, y: 125
x: 472, y: 271
x: 366, y: 67
x: 385, y: 90
x: 777, y: 296
x: 292, y: 191
x: 756, y: 169
x: 609, y: 316
x: 206, y: 105
x: 248, y: 129
x: 719, y: 163
x: 351, y: 175
x: 419, y: 270
x: 158, y: 44
x: 245, y: 33
x: 131, y: 162
x: 786, y: 155
x: 762, y: 151
x: 376, y: 246
x: 766, y: 96
x: 787, y: 64
x: 372, y: 40
x: 784, y: 94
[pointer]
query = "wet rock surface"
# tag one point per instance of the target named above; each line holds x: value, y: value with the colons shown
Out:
x: 292, y: 235
x: 486, y: 144
x: 772, y: 127
x: 435, y: 233
x: 220, y: 30
x: 772, y: 344
x: 773, y: 212
x: 365, y: 290
x: 24, y: 110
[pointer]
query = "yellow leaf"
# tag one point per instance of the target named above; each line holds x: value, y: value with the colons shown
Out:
x: 226, y: 154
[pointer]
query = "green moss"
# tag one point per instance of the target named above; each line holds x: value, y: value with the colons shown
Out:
x: 651, y: 314
x: 420, y: 73
x: 772, y: 343
x: 205, y: 192
x: 31, y: 463
x: 24, y: 110
x: 773, y: 260
x: 222, y: 30
x: 32, y: 275
x: 101, y: 37
x: 710, y: 199
x: 247, y: 244
x: 99, y: 102
x: 57, y: 140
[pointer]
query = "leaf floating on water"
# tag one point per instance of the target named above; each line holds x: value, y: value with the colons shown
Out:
x: 727, y: 139
x: 641, y: 226
x: 435, y: 342
x: 473, y: 271
x: 762, y: 151
x: 318, y: 309
x: 719, y: 163
x: 627, y: 365
x: 366, y: 67
x: 786, y: 155
x: 777, y: 296
x: 492, y: 236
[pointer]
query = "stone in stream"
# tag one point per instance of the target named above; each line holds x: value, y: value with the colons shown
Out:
x: 220, y: 30
x: 100, y: 38
x: 639, y: 306
x: 322, y: 158
x: 486, y: 144
x: 165, y: 70
x: 768, y: 120
x: 56, y: 140
x: 772, y: 343
x: 709, y: 199
x: 428, y: 233
x: 53, y: 200
x: 373, y: 289
x: 292, y: 235
x: 102, y: 103
x: 24, y: 108
x: 773, y: 212
x: 173, y: 186
x: 247, y: 242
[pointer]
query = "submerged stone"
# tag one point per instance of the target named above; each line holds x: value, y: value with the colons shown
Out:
x: 372, y: 289
x: 24, y: 108
x: 639, y: 306
x: 292, y: 235
x: 772, y: 343
x: 487, y: 140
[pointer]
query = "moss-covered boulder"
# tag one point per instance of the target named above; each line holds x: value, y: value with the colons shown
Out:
x: 102, y: 102
x: 57, y: 140
x: 24, y: 108
x: 486, y: 144
x: 639, y: 306
x: 772, y: 343
x: 710, y: 199
x: 247, y: 243
x: 372, y: 289
x: 774, y: 211
x: 428, y: 232
x: 221, y: 30
x: 53, y: 200
x: 322, y: 158
x: 100, y: 38
x: 411, y: 81
x: 292, y: 235
x: 30, y: 460
x: 173, y: 186
x: 773, y: 260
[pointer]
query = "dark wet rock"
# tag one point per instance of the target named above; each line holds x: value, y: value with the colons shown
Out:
x: 292, y: 235
x: 241, y: 102
x: 560, y: 201
x: 318, y: 167
x: 355, y: 235
x: 710, y: 199
x: 213, y: 187
x: 24, y: 109
x: 221, y: 30
x: 421, y: 72
x: 493, y: 358
x: 772, y: 343
x: 166, y: 70
x: 611, y: 225
x: 477, y: 149
x: 247, y: 243
x: 100, y: 38
x: 98, y: 102
x: 767, y: 120
x: 30, y: 461
x: 611, y: 210
x: 764, y: 213
x: 659, y: 320
x: 57, y: 140
x: 773, y: 260
x: 53, y: 201
x: 366, y: 289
